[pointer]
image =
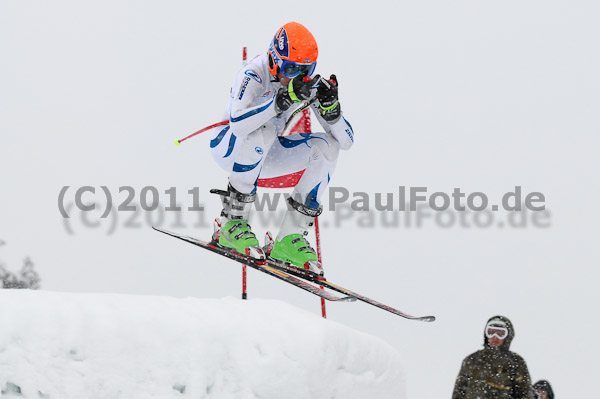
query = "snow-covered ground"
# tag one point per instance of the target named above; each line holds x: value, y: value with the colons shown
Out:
x: 63, y: 345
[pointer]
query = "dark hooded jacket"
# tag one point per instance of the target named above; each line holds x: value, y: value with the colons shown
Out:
x: 543, y: 385
x: 494, y: 373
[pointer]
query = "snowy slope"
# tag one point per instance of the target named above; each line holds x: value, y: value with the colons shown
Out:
x: 63, y: 345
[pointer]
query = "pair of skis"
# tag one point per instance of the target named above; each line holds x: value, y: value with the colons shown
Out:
x: 294, y: 276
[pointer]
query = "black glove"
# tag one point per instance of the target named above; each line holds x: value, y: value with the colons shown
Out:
x: 296, y: 91
x: 327, y: 94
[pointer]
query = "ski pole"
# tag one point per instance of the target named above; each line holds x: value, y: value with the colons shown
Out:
x: 303, y: 106
x: 225, y: 122
x: 296, y: 112
x: 222, y: 123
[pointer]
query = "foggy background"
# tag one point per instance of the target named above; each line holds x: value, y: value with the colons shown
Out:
x: 483, y: 96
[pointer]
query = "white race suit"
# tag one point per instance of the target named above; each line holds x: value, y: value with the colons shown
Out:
x: 251, y: 146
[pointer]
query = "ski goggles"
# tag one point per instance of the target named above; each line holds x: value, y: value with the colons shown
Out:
x: 500, y: 332
x: 292, y: 69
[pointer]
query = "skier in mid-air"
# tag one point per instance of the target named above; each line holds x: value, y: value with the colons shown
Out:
x: 269, y: 90
x: 266, y: 92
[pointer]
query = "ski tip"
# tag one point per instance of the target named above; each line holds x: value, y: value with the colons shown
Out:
x: 427, y: 319
x: 162, y: 230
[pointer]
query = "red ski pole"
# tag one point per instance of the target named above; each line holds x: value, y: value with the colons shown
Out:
x: 222, y: 123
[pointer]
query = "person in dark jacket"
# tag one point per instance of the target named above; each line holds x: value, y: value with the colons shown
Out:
x: 494, y: 372
x: 542, y: 390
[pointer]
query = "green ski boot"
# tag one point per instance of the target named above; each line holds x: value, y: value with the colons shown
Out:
x: 232, y: 229
x: 291, y: 246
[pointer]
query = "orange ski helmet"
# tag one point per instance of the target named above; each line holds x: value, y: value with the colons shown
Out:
x: 293, y: 50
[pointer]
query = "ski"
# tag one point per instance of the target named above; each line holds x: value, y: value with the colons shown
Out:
x: 323, y: 282
x: 261, y: 266
x: 373, y: 302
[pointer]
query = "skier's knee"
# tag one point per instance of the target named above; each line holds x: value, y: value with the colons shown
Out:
x: 329, y: 149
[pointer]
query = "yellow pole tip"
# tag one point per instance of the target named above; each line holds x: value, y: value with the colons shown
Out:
x: 177, y: 142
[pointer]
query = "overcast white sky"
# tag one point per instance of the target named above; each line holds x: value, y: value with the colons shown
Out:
x: 478, y: 95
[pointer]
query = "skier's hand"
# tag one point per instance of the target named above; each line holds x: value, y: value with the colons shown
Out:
x: 299, y: 89
x: 282, y: 100
x: 327, y: 94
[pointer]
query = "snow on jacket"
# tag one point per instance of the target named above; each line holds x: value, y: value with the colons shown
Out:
x: 494, y: 373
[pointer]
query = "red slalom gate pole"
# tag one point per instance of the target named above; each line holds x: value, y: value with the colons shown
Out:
x: 320, y: 259
x: 244, y: 293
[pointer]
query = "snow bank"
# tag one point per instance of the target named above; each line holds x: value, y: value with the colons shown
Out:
x: 63, y: 345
